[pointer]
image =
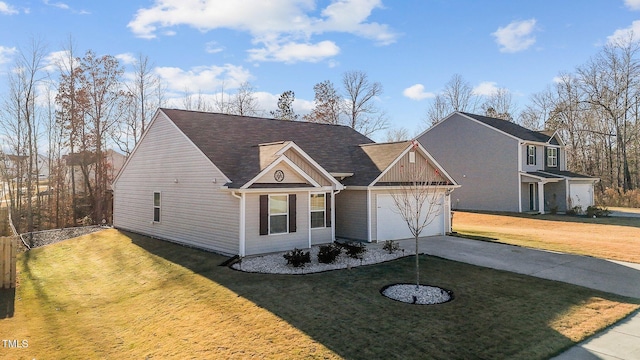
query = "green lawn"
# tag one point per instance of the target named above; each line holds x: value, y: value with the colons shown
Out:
x: 119, y: 295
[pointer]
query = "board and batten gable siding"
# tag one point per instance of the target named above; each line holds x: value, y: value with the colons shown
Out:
x: 397, y: 172
x: 260, y: 244
x: 480, y: 159
x: 351, y: 214
x: 194, y: 209
x: 306, y: 167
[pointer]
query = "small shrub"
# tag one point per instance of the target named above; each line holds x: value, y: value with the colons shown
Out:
x: 553, y: 210
x: 596, y: 211
x: 391, y: 246
x: 354, y: 250
x: 329, y: 253
x: 297, y: 257
x: 576, y: 210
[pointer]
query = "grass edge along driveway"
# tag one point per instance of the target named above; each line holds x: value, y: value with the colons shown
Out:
x: 606, y: 238
x: 112, y: 295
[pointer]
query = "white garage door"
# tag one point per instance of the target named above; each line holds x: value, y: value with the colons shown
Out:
x: 391, y: 226
x: 581, y: 195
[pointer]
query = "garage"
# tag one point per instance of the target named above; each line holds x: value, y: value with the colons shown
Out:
x: 391, y: 226
x: 581, y: 195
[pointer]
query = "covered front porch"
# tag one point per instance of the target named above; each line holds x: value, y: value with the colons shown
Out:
x: 542, y: 192
x: 555, y: 192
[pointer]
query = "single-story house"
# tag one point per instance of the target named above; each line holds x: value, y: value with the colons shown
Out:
x: 502, y: 166
x: 240, y: 185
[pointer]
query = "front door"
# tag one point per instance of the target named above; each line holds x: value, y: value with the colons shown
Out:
x: 532, y: 196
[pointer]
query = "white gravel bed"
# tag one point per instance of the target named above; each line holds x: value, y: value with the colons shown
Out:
x: 276, y: 264
x: 423, y: 295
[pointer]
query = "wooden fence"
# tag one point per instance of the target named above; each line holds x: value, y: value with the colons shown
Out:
x: 8, y: 254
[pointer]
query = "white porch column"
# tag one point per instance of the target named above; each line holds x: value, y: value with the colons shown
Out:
x: 541, y: 197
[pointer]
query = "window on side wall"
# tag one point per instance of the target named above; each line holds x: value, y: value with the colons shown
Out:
x: 552, y: 157
x: 318, y: 210
x: 531, y: 154
x: 156, y: 207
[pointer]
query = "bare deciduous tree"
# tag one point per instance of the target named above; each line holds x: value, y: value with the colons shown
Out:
x: 244, y: 102
x: 362, y: 113
x: 328, y: 104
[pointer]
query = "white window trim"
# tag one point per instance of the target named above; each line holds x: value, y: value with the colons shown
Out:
x: 286, y: 213
x: 552, y: 160
x: 159, y: 207
x: 323, y: 211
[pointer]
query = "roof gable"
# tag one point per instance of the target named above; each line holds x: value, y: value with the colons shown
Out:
x: 513, y: 129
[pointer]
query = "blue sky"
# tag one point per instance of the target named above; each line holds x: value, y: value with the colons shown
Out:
x: 412, y: 47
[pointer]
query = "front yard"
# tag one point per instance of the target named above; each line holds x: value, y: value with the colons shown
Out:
x: 119, y: 295
x: 612, y: 238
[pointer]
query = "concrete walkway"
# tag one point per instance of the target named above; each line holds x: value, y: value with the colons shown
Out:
x: 621, y: 341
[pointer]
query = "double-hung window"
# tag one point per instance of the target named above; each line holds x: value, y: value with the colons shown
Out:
x: 278, y: 214
x: 156, y: 207
x: 552, y: 157
x: 531, y: 154
x: 318, y: 206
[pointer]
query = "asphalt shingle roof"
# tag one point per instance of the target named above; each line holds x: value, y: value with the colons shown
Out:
x: 514, y: 129
x: 232, y: 143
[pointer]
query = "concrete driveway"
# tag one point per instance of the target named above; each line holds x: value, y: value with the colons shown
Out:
x: 621, y: 341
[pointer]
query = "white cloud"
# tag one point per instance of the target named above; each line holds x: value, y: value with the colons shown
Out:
x: 212, y: 47
x: 203, y: 78
x: 7, y: 9
x: 6, y: 53
x: 516, y: 36
x: 632, y: 4
x: 64, y: 6
x: 293, y: 52
x: 623, y: 36
x: 284, y: 28
x: 416, y: 92
x: 127, y: 58
x: 486, y: 88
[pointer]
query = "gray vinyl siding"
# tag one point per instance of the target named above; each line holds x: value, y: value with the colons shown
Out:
x: 194, y: 210
x: 540, y: 158
x: 258, y: 244
x: 321, y: 236
x: 351, y: 214
x: 480, y: 159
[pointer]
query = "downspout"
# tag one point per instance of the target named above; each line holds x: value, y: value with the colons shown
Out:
x: 241, y: 234
x: 368, y: 214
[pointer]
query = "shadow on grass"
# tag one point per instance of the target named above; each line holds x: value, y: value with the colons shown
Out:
x: 495, y: 314
x: 7, y: 302
x: 611, y: 220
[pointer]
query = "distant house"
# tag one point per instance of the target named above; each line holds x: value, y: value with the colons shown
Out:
x: 244, y: 185
x: 83, y: 163
x: 503, y: 166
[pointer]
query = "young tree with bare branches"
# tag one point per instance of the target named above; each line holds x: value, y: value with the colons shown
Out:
x: 418, y: 199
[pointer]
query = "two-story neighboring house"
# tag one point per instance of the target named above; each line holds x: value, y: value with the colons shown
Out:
x: 502, y: 166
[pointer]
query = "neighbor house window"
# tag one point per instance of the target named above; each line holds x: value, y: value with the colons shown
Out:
x: 531, y: 154
x: 277, y: 214
x: 156, y: 207
x: 552, y: 157
x: 317, y: 210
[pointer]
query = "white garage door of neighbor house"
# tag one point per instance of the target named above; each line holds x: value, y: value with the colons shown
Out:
x: 581, y: 195
x: 391, y: 226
